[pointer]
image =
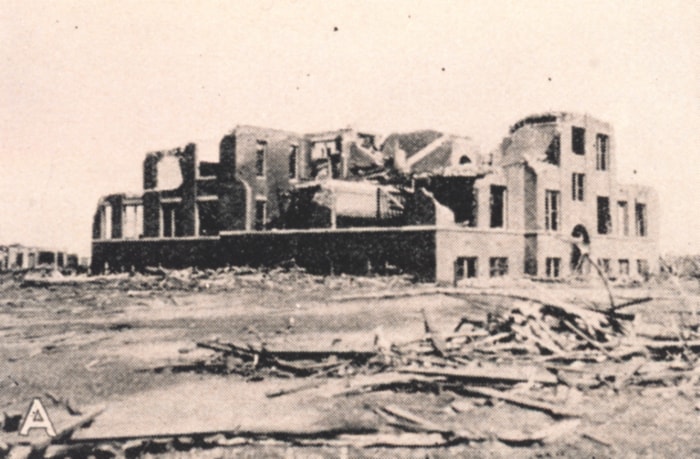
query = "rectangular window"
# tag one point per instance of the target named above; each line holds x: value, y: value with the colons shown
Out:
x: 107, y: 222
x: 604, y: 221
x: 643, y: 267
x: 465, y: 268
x: 578, y: 140
x: 260, y: 214
x: 260, y: 159
x: 553, y: 265
x: 498, y: 206
x: 132, y: 221
x: 623, y: 218
x: 293, y: 162
x: 498, y: 266
x: 601, y: 157
x: 624, y: 267
x: 208, y: 214
x: 640, y: 213
x: 604, y: 265
x: 577, y: 186
x: 169, y: 220
x: 474, y: 208
x: 551, y: 210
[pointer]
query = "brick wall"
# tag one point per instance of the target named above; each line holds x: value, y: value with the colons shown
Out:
x: 412, y: 250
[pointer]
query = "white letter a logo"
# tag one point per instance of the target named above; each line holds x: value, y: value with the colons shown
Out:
x: 37, y: 418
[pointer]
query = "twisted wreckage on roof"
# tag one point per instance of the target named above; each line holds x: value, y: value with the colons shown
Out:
x: 424, y: 202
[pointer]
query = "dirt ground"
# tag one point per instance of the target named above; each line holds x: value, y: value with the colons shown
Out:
x: 113, y: 343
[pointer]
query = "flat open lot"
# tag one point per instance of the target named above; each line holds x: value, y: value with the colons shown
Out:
x: 126, y: 343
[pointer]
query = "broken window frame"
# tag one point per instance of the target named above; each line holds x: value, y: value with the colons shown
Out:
x: 642, y: 267
x: 602, y: 157
x: 260, y: 158
x: 623, y: 267
x: 604, y: 220
x: 260, y: 221
x: 623, y: 217
x: 498, y: 266
x: 604, y: 265
x: 553, y: 267
x: 552, y: 210
x: 466, y: 268
x: 578, y: 186
x: 132, y: 221
x: 207, y: 216
x: 578, y: 140
x: 474, y: 221
x: 498, y: 203
x: 168, y: 220
x: 293, y: 157
x: 640, y: 219
x: 106, y: 221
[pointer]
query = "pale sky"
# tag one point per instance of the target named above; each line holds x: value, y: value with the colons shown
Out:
x: 87, y: 88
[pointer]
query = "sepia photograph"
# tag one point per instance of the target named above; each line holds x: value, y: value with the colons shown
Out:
x: 349, y: 229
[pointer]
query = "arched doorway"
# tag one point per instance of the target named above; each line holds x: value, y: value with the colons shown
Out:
x: 579, y: 247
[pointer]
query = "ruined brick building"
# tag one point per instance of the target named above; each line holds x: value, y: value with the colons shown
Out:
x: 424, y: 202
x: 17, y: 257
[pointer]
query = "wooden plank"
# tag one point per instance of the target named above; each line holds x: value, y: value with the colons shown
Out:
x: 66, y: 431
x: 511, y: 375
x: 586, y: 338
x: 633, y: 302
x: 436, y: 340
x: 379, y: 381
x: 405, y: 440
x: 485, y: 342
x: 430, y: 426
x: 671, y: 345
x: 523, y: 401
x: 423, y: 423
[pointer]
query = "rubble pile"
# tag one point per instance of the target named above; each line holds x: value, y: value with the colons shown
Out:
x: 541, y: 355
x: 287, y: 277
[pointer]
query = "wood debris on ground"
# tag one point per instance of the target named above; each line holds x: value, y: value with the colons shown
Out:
x: 541, y: 348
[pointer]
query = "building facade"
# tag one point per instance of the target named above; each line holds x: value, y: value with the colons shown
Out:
x: 547, y: 196
x: 17, y: 257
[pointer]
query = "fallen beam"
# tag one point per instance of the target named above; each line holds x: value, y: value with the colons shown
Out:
x: 501, y: 375
x: 552, y: 410
x: 671, y: 345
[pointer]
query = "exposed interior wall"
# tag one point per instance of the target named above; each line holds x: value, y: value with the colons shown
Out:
x: 459, y: 195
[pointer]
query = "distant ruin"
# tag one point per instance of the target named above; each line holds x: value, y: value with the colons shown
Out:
x: 18, y: 257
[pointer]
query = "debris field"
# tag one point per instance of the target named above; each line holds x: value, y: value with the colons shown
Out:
x: 354, y: 366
